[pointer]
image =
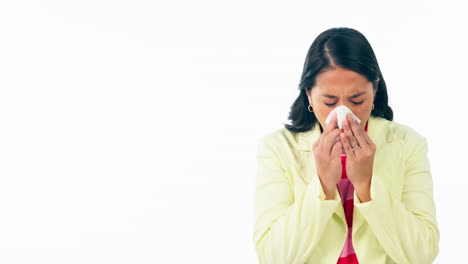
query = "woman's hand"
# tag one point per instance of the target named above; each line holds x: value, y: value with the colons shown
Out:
x: 359, y: 163
x: 327, y: 155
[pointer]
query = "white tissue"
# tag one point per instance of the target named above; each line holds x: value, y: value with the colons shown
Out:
x: 341, y: 112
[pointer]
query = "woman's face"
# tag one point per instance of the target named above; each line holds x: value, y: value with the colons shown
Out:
x: 340, y: 86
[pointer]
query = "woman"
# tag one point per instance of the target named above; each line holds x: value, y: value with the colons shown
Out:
x: 372, y: 204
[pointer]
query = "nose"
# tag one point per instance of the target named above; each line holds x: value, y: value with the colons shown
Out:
x: 349, y: 105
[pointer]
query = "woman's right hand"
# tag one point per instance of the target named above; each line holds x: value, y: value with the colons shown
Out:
x: 328, y: 158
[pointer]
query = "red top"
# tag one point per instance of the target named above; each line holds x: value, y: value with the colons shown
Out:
x: 346, y: 190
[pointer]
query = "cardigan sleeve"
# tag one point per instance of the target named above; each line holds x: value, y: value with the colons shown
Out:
x: 407, y: 228
x: 286, y: 230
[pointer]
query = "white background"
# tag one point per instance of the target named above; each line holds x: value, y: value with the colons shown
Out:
x: 128, y: 129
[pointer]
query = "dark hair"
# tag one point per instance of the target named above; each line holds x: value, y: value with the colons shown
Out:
x: 337, y: 47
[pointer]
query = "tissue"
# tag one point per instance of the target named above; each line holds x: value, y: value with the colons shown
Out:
x: 341, y: 112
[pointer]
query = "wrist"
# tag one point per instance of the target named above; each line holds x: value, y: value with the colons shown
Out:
x: 362, y: 187
x: 330, y: 193
x: 365, y: 185
x: 363, y: 192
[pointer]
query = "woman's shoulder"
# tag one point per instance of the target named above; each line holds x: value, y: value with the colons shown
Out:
x: 411, y: 137
x: 277, y: 135
x: 405, y: 132
x: 279, y: 138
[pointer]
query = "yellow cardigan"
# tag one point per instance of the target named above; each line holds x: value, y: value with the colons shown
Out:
x: 294, y: 224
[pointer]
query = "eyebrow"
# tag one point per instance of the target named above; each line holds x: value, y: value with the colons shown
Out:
x: 333, y: 96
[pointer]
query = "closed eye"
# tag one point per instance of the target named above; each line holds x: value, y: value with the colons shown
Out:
x: 353, y: 103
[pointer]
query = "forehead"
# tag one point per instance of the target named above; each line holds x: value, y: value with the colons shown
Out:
x: 341, y: 80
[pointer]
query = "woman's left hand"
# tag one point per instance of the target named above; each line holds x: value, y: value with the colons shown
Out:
x: 359, y: 163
